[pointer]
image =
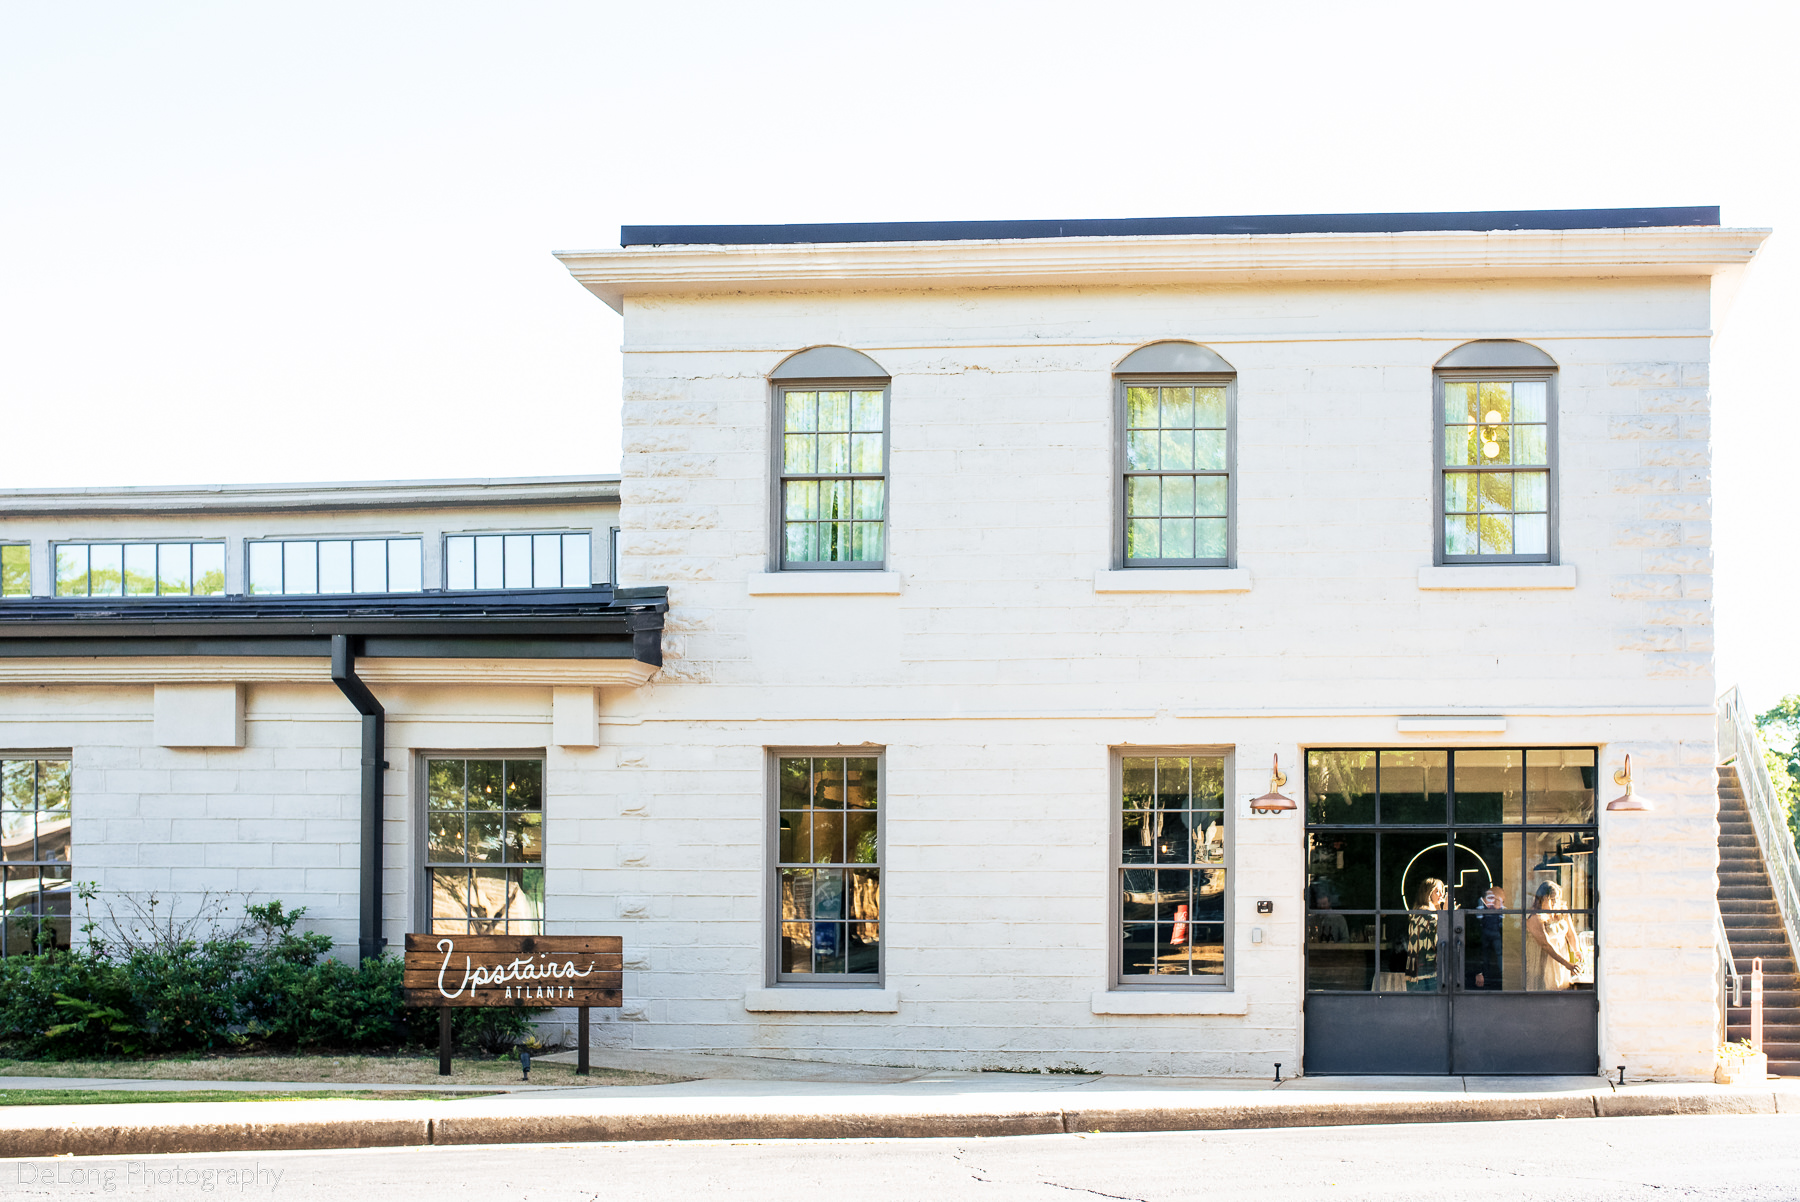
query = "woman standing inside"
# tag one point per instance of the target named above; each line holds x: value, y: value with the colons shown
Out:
x: 1422, y: 936
x: 1553, y: 951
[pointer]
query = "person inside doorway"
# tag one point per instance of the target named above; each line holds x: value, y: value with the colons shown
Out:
x: 1422, y: 936
x: 1324, y: 924
x: 1483, y: 969
x: 1553, y: 951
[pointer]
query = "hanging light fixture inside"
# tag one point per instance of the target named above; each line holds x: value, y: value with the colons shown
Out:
x: 1552, y: 860
x: 1273, y: 802
x: 1628, y: 800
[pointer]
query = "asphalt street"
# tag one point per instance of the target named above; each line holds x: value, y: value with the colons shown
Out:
x: 1752, y: 1158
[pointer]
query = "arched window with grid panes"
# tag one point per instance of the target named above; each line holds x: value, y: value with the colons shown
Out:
x: 831, y: 444
x: 1175, y: 405
x: 1496, y: 453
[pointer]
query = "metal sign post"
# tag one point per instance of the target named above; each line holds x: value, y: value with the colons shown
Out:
x: 513, y: 970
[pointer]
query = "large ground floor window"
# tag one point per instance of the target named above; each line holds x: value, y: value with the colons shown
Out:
x: 1170, y: 826
x: 827, y: 866
x: 35, y: 845
x: 1446, y: 871
x: 485, y: 845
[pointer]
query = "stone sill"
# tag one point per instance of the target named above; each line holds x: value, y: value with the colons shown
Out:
x: 1172, y: 580
x: 1168, y: 1001
x: 802, y: 1000
x: 824, y: 584
x: 1497, y: 576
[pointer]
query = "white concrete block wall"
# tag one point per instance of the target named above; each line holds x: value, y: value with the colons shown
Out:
x: 998, y: 679
x: 999, y: 682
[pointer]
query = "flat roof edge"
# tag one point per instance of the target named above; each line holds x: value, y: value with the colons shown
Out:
x: 351, y: 494
x: 1127, y: 227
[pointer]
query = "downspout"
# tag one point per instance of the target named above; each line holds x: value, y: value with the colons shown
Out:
x: 374, y: 749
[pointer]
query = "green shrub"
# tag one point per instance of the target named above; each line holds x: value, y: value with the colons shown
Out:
x: 156, y: 985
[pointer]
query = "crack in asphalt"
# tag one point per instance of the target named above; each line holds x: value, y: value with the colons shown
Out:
x: 1078, y: 1189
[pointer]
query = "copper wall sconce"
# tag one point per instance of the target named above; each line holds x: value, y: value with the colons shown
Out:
x: 1273, y: 802
x: 1628, y: 800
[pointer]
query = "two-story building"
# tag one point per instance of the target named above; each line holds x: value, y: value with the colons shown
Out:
x: 1164, y: 647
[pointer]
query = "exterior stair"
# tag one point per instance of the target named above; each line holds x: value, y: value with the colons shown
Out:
x: 1753, y: 924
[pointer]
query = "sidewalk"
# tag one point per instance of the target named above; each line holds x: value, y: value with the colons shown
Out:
x: 750, y: 1098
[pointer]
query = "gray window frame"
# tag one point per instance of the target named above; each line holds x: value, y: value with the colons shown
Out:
x: 778, y: 390
x: 282, y: 541
x: 30, y: 576
x: 35, y: 757
x: 772, y: 974
x: 421, y: 841
x: 223, y: 544
x: 1121, y: 427
x: 528, y: 532
x: 1117, y: 981
x: 1439, y: 469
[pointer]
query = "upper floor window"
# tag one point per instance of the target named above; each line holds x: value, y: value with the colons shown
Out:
x: 140, y: 569
x: 493, y: 561
x: 1497, y: 451
x: 831, y: 404
x: 1176, y: 402
x: 363, y: 565
x: 15, y: 570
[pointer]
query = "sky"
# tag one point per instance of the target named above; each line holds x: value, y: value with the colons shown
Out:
x: 284, y: 241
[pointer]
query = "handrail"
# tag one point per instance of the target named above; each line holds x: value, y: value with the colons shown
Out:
x: 1768, y: 816
x: 1722, y: 941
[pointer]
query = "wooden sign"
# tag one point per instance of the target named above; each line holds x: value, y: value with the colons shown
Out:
x: 514, y: 970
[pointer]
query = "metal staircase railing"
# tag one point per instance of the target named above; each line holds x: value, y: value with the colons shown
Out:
x: 1768, y: 814
x: 1731, y: 984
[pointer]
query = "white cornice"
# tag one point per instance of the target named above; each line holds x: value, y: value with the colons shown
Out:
x: 301, y: 498
x: 613, y: 275
x: 607, y: 673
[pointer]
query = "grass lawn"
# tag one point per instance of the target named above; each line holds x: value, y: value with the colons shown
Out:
x: 88, y: 1097
x: 350, y: 1068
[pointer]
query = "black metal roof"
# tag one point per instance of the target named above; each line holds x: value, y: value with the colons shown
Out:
x: 593, y: 623
x: 1133, y: 227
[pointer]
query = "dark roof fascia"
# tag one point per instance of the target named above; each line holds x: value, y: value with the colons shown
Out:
x: 1137, y: 227
x: 538, y: 625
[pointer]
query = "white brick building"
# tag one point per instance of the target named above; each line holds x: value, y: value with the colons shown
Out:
x: 973, y: 674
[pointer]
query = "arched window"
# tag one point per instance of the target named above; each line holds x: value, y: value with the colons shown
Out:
x: 1496, y: 450
x: 831, y: 406
x: 1176, y: 408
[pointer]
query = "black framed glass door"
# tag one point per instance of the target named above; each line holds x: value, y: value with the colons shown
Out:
x: 1450, y: 899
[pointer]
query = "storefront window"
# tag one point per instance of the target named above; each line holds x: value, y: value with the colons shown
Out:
x: 1457, y: 870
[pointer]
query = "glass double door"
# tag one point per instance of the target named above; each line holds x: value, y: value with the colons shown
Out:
x: 1450, y: 901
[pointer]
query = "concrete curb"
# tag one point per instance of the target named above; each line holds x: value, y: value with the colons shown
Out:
x: 190, y: 1127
